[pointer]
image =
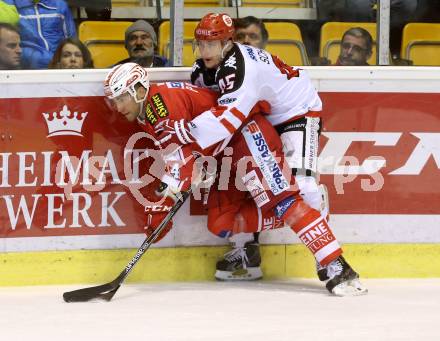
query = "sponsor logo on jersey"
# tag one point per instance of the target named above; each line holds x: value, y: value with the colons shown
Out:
x: 226, y: 101
x: 149, y: 115
x: 255, y: 188
x: 231, y: 62
x: 251, y: 53
x: 283, y: 206
x: 159, y: 106
x: 262, y: 55
x: 264, y: 158
x: 178, y: 85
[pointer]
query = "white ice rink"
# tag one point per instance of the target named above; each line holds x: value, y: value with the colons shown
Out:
x: 259, y: 311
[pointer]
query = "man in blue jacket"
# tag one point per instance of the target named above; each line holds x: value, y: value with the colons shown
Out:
x: 43, y: 25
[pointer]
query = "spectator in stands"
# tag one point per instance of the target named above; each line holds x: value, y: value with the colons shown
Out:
x: 8, y: 13
x: 251, y: 31
x: 71, y: 54
x: 140, y: 42
x: 401, y: 12
x: 10, y: 50
x: 356, y: 47
x: 43, y: 25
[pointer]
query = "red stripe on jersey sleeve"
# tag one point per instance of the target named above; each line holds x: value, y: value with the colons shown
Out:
x: 237, y: 113
x: 228, y: 125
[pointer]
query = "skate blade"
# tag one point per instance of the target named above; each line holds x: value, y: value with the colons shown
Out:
x: 249, y: 274
x: 350, y: 288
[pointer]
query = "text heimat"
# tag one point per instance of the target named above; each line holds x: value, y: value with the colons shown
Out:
x: 70, y: 190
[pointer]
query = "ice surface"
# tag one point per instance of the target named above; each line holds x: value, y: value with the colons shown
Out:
x: 213, y: 311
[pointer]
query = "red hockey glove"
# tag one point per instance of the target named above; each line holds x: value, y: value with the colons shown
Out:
x: 170, y: 131
x: 155, y: 214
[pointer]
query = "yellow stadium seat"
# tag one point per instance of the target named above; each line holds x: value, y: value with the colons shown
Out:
x: 331, y: 35
x: 188, y: 37
x: 272, y: 3
x: 421, y: 43
x: 285, y: 41
x: 105, y: 40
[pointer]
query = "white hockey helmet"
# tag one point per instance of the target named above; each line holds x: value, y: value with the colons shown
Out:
x: 123, y: 78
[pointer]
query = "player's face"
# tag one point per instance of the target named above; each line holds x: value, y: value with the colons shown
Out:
x: 210, y: 51
x: 71, y: 57
x: 126, y: 106
x: 250, y: 35
x: 353, y: 51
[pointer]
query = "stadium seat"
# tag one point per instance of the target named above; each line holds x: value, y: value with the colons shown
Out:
x: 105, y: 40
x: 188, y: 37
x: 286, y: 42
x: 331, y: 35
x: 421, y: 43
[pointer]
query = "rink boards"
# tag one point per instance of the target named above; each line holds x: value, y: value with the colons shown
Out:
x: 379, y: 157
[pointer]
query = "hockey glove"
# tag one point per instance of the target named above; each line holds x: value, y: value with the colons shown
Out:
x: 180, y: 172
x: 169, y: 131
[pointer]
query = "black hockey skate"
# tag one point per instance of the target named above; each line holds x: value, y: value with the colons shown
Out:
x: 341, y: 279
x: 240, y: 264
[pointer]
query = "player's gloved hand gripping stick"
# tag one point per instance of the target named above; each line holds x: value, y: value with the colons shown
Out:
x: 107, y: 291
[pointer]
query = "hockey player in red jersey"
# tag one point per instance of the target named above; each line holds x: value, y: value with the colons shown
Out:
x: 246, y: 76
x: 155, y: 105
x: 128, y: 89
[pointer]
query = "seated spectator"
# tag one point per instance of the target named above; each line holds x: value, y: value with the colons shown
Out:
x: 356, y: 47
x: 43, y: 25
x: 8, y: 13
x: 401, y: 12
x: 251, y: 31
x: 71, y: 54
x: 140, y: 42
x: 10, y: 51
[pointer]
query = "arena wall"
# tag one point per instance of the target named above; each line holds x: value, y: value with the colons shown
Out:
x: 380, y: 159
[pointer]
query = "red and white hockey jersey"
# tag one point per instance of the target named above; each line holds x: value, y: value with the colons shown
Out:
x: 248, y: 76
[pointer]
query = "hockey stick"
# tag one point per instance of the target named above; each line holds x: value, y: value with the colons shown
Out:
x: 107, y: 291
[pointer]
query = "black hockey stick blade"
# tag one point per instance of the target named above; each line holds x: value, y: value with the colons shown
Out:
x: 104, y: 291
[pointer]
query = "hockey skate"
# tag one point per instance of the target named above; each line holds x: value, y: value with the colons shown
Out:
x: 341, y: 279
x: 240, y: 264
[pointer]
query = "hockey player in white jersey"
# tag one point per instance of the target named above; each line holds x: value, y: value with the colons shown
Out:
x: 247, y: 76
x: 302, y: 138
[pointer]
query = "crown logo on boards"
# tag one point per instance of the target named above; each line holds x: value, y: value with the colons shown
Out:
x: 64, y: 122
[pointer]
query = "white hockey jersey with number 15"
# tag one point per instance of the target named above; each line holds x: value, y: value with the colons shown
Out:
x: 246, y: 76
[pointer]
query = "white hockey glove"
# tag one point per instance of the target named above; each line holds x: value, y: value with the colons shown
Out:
x: 169, y: 131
